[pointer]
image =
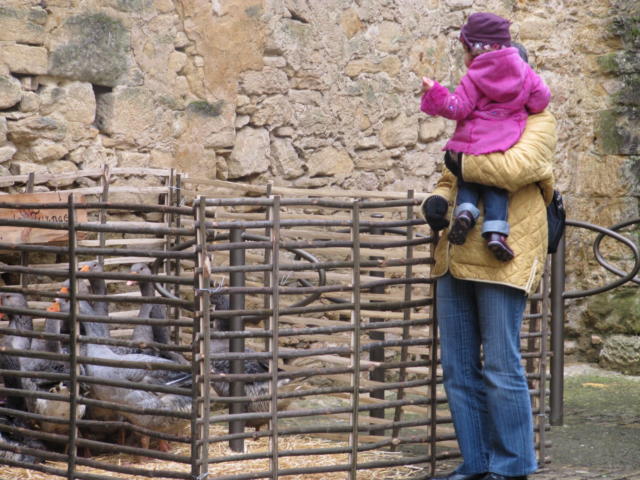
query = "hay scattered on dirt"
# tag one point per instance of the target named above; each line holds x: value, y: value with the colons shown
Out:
x: 216, y: 450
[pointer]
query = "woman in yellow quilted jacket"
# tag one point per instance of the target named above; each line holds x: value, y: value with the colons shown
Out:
x: 480, y: 304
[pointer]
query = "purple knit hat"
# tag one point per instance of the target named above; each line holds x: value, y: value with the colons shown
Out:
x: 486, y: 28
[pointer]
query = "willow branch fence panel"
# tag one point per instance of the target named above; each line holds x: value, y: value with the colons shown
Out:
x: 330, y: 295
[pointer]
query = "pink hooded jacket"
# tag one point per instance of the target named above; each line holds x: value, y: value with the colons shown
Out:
x: 491, y: 104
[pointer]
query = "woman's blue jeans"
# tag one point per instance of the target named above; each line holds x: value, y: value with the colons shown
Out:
x: 488, y: 397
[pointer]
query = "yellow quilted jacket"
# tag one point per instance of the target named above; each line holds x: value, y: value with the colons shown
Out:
x: 525, y: 171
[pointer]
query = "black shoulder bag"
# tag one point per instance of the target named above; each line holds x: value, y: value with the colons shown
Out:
x: 556, y: 217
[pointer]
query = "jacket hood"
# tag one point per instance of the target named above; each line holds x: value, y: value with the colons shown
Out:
x: 499, y: 74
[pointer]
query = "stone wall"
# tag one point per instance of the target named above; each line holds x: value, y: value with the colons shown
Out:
x: 309, y: 94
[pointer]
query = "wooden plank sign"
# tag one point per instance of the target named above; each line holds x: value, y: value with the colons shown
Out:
x: 17, y: 235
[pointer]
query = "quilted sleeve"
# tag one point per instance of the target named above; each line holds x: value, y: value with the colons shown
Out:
x: 540, y: 93
x: 454, y: 106
x: 528, y: 161
x: 445, y: 185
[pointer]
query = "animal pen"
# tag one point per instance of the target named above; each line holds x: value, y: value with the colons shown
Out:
x: 329, y: 291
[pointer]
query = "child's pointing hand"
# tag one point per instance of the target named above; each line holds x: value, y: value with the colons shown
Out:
x: 427, y: 84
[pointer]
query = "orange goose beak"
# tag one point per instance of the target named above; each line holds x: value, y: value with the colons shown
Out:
x: 54, y: 307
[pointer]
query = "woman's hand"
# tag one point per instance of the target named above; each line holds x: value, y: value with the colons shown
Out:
x: 434, y: 210
x: 427, y: 84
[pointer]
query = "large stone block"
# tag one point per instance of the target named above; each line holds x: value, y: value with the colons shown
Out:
x: 373, y: 160
x: 23, y: 25
x: 400, y: 131
x: 133, y: 116
x: 25, y: 168
x: 268, y: 81
x: 203, y: 128
x: 212, y: 123
x: 425, y: 58
x: 350, y: 22
x: 389, y: 37
x: 94, y: 157
x: 44, y: 151
x: 30, y: 129
x: 390, y: 64
x: 367, y: 181
x: 286, y: 160
x: 30, y: 102
x: 7, y: 152
x: 250, y: 154
x: 431, y: 129
x: 62, y: 167
x: 91, y: 47
x: 25, y: 59
x: 10, y: 91
x: 617, y: 131
x: 614, y: 312
x: 75, y: 101
x: 330, y: 162
x: 621, y: 353
x: 600, y: 176
x: 274, y: 111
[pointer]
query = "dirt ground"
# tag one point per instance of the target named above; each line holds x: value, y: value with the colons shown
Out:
x: 600, y: 438
x: 601, y: 420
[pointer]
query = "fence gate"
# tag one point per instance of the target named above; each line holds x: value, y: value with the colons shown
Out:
x: 203, y: 329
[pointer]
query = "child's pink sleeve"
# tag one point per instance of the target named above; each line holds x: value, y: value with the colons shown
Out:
x: 540, y: 94
x: 454, y: 106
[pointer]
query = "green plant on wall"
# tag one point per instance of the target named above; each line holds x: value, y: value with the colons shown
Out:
x: 617, y: 313
x: 95, y: 49
x: 206, y: 109
x: 618, y: 126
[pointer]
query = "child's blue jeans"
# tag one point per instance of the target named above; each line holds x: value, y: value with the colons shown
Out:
x: 496, y: 205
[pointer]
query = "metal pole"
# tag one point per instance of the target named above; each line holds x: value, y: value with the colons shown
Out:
x: 237, y: 279
x: 74, y: 332
x: 406, y: 316
x: 202, y: 356
x: 105, y: 179
x: 24, y: 256
x: 355, y: 341
x: 168, y: 218
x: 557, y: 335
x: 267, y: 259
x: 377, y: 353
x: 273, y: 367
x: 542, y: 368
x: 534, y: 325
x: 433, y: 386
x: 177, y: 188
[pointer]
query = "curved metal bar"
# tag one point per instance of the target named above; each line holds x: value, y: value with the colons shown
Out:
x: 601, y: 261
x: 403, y: 231
x: 612, y: 285
x: 322, y: 275
x: 158, y: 261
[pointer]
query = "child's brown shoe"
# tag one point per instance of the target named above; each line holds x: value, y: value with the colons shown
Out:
x: 463, y: 222
x: 497, y: 243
